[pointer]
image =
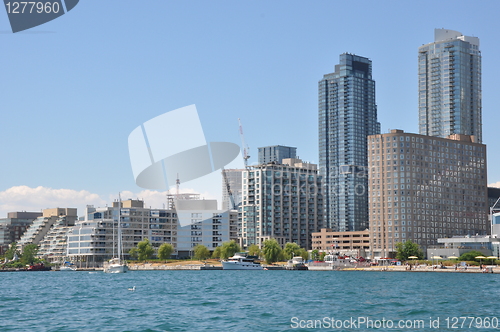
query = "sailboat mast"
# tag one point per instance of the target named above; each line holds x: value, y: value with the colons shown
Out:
x: 113, y: 243
x: 119, y: 249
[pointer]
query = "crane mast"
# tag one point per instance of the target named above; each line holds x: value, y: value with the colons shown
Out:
x: 229, y: 191
x: 245, y: 147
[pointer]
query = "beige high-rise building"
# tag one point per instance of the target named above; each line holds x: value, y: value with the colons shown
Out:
x: 422, y: 188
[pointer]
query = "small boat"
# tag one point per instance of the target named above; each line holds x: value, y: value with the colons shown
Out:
x: 241, y: 261
x: 67, y: 266
x: 296, y: 263
x: 38, y: 267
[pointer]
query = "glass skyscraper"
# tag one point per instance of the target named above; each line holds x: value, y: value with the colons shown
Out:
x: 449, y: 74
x: 347, y: 115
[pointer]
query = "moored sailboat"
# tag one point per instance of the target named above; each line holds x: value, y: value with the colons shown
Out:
x: 117, y: 264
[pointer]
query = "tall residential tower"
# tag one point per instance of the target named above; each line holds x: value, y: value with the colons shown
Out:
x: 449, y: 85
x: 347, y: 115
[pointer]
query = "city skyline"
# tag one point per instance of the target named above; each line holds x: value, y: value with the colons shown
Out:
x: 74, y: 90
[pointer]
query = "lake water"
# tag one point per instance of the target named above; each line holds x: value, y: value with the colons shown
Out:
x: 247, y: 301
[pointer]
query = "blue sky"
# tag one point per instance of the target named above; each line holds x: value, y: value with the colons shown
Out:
x: 74, y: 88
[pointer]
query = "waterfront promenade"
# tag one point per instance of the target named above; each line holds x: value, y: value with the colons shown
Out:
x: 391, y: 268
x: 423, y: 268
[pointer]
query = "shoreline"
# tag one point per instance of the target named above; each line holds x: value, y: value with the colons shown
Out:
x: 474, y: 269
x: 199, y: 266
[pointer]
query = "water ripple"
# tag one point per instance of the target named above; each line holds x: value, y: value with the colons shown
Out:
x: 234, y: 300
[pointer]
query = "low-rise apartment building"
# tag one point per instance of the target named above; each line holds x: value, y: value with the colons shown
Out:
x: 352, y: 243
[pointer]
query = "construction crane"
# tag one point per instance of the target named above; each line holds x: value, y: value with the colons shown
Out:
x: 228, y: 188
x: 245, y: 147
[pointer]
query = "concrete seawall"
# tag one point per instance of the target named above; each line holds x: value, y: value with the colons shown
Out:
x: 151, y: 267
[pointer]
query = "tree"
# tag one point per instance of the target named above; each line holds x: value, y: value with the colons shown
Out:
x: 271, y: 250
x: 29, y: 254
x: 315, y: 254
x: 254, y: 250
x: 322, y: 256
x: 216, y: 253
x: 281, y: 256
x: 143, y: 251
x: 16, y: 265
x: 201, y: 252
x: 9, y: 254
x: 471, y: 256
x: 165, y: 250
x: 407, y: 249
x: 228, y: 249
x: 303, y: 253
x: 291, y: 249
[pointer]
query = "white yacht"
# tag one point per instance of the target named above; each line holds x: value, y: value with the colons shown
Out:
x: 241, y: 261
x: 67, y: 266
x: 296, y: 263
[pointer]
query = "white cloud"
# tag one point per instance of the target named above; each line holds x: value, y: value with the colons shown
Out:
x: 494, y: 185
x: 24, y: 198
x: 157, y: 199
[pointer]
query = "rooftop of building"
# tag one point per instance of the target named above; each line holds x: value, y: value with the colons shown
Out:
x: 453, y: 137
x: 447, y: 34
x: 129, y: 203
x: 289, y: 162
x: 24, y: 215
x: 469, y: 239
x: 276, y: 146
x: 493, y: 192
x: 70, y: 212
x: 331, y: 232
